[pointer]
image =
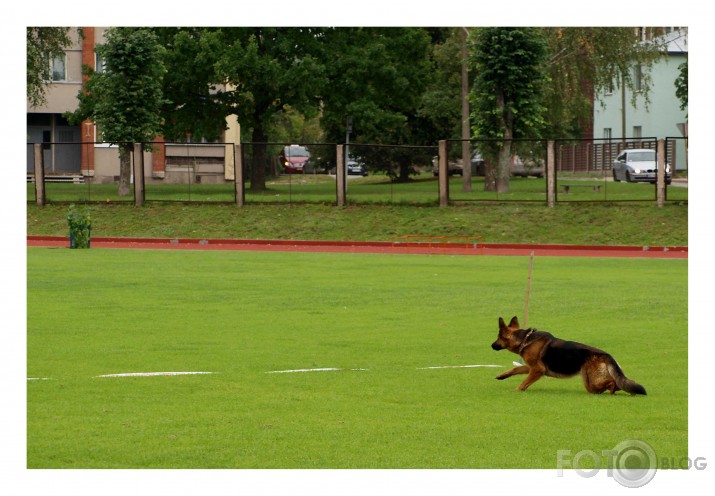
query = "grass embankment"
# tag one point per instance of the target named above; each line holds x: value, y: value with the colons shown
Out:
x: 575, y: 223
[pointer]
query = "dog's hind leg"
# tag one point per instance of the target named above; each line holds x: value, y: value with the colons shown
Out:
x: 521, y: 369
x: 597, y: 380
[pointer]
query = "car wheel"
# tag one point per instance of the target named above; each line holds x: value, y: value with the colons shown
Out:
x: 615, y: 176
x: 628, y: 177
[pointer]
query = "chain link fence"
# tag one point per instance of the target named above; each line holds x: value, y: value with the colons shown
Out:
x: 300, y: 173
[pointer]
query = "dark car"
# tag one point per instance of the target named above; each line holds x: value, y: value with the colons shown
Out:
x: 294, y: 159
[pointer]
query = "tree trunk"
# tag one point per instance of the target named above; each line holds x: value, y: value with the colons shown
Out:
x: 490, y: 175
x: 258, y: 169
x: 504, y: 155
x: 125, y: 170
x: 405, y: 164
x: 504, y: 166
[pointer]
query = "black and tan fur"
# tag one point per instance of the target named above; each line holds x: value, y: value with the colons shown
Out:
x: 544, y: 354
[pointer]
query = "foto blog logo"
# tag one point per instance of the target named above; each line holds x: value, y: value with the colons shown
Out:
x: 632, y: 463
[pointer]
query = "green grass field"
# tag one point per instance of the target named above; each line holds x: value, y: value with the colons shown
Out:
x: 375, y: 189
x: 243, y: 314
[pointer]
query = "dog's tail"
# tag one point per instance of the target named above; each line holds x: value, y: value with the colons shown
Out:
x: 623, y: 382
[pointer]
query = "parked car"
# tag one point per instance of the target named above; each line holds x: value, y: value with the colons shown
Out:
x: 457, y: 168
x: 637, y: 165
x: 294, y: 159
x: 356, y: 169
x: 526, y: 168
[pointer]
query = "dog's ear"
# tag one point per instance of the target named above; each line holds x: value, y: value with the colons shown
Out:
x: 514, y: 324
x: 502, y: 325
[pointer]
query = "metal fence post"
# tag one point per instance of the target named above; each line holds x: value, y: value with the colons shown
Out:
x: 660, y: 175
x: 39, y: 175
x: 550, y: 173
x: 138, y: 175
x: 340, y: 176
x: 238, y: 175
x: 443, y: 171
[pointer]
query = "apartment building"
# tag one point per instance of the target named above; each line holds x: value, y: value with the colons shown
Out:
x: 79, y: 151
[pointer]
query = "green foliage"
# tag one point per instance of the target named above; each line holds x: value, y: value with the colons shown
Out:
x: 43, y: 43
x: 80, y: 224
x: 507, y: 95
x: 681, y: 85
x: 441, y: 100
x: 192, y: 104
x: 377, y: 79
x: 584, y: 60
x: 125, y: 98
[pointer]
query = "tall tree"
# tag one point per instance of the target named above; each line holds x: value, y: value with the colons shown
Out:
x: 125, y: 98
x: 191, y: 85
x: 507, y: 95
x: 377, y: 80
x: 265, y: 70
x: 43, y: 45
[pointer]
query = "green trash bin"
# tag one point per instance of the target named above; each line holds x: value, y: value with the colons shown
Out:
x: 80, y: 224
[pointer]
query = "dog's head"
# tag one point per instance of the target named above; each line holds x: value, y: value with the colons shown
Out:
x: 506, y: 334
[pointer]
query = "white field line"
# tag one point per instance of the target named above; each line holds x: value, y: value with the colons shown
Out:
x: 38, y: 378
x: 152, y: 374
x: 323, y: 369
x: 458, y: 367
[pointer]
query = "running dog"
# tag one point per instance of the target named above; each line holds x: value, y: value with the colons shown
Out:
x: 544, y: 354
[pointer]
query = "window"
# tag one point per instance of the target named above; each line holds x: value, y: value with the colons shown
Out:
x: 637, y: 131
x: 607, y: 133
x: 610, y: 88
x: 58, y: 68
x: 637, y: 78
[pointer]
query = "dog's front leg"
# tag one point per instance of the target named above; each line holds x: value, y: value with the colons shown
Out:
x: 534, y: 375
x: 521, y: 369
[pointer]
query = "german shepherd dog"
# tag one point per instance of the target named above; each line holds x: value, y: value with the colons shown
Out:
x: 544, y: 354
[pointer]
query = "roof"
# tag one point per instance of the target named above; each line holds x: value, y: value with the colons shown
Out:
x: 676, y: 41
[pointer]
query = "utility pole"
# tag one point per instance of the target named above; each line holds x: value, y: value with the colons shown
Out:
x: 346, y: 158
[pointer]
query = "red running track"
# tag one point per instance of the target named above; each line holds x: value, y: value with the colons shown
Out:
x: 416, y: 248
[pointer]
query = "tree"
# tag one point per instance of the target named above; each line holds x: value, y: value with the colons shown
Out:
x: 507, y: 95
x: 191, y: 85
x: 377, y: 79
x: 266, y: 70
x: 125, y: 98
x: 586, y: 61
x: 269, y: 76
x: 43, y: 45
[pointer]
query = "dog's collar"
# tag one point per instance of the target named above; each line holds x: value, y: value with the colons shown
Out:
x: 526, y: 339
